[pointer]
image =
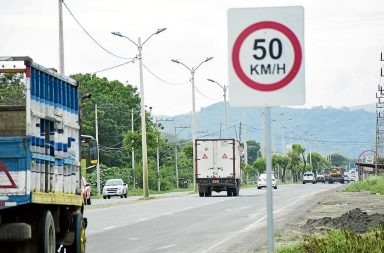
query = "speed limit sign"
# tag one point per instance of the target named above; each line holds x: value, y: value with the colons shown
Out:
x: 266, y: 56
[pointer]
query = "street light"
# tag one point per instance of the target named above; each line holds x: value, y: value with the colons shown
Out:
x: 193, y: 70
x: 139, y: 46
x: 224, y: 87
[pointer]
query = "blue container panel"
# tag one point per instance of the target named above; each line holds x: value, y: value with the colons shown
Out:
x: 15, y: 160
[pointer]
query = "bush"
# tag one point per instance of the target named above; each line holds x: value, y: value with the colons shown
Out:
x: 369, y: 184
x: 340, y: 241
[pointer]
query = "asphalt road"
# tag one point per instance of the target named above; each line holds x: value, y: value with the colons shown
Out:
x: 187, y: 223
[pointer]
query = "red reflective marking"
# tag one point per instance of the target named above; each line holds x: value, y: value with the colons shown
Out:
x: 5, y: 169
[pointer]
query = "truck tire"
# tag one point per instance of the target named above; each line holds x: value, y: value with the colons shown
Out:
x: 201, y: 194
x: 47, y: 232
x: 235, y: 192
x: 229, y: 192
x: 78, y: 245
x: 89, y: 201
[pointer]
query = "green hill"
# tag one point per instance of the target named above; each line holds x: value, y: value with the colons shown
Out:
x: 347, y: 131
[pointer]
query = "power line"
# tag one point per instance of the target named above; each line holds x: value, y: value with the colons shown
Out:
x: 90, y: 36
x: 162, y: 80
x: 131, y: 61
x: 209, y: 98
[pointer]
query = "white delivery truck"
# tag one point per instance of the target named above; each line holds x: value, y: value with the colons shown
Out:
x: 217, y: 166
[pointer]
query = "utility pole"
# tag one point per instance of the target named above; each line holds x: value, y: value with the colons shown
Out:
x: 98, y: 154
x: 61, y: 39
x: 245, y: 141
x: 379, y: 116
x: 193, y: 70
x: 133, y: 152
x: 144, y: 148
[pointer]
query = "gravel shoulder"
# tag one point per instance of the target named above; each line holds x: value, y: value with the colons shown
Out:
x: 326, y: 209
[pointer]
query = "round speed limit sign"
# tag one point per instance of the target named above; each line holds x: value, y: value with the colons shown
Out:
x: 266, y: 56
x: 275, y: 56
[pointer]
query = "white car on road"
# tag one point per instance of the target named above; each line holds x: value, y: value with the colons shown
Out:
x: 262, y: 181
x: 115, y: 187
x: 309, y: 177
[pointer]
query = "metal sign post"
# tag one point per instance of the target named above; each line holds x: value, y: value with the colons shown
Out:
x: 266, y: 68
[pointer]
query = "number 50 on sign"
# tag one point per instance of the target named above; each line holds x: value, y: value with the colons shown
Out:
x: 266, y: 56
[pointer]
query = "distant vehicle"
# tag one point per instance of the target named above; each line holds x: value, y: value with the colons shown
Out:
x: 86, y: 191
x: 262, y: 181
x: 115, y: 187
x: 346, y: 177
x: 336, y: 174
x: 353, y: 176
x: 320, y: 178
x: 218, y: 166
x: 309, y: 177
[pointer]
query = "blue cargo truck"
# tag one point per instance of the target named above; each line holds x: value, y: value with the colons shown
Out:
x: 41, y: 207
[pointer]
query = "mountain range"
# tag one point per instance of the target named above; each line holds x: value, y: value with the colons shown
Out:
x: 347, y: 131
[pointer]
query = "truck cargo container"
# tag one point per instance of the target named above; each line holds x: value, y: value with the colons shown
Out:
x: 217, y: 166
x: 41, y: 206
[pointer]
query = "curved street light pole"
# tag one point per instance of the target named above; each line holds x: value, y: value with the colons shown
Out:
x: 224, y: 87
x: 139, y: 46
x: 193, y: 70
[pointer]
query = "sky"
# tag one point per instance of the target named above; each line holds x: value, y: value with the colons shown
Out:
x: 342, y: 45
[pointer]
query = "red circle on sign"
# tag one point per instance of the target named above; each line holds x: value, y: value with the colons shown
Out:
x: 296, y: 63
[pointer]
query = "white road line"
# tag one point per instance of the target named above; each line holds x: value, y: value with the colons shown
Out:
x: 250, y: 226
x: 168, y: 213
x: 133, y: 239
x: 167, y: 246
x: 143, y: 219
x: 109, y: 228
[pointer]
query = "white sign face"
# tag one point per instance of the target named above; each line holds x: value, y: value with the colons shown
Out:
x: 266, y: 56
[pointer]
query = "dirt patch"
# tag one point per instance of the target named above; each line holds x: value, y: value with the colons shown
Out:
x: 355, y: 220
x: 337, y: 208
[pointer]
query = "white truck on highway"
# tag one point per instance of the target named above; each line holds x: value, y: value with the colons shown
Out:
x: 217, y: 166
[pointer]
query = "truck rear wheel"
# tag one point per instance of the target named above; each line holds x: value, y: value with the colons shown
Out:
x: 201, y: 194
x: 48, y: 234
x: 78, y: 245
x: 229, y: 192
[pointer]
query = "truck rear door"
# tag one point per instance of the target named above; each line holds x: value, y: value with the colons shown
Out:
x: 215, y: 158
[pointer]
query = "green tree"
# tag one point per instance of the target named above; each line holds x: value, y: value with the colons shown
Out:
x: 253, y: 150
x: 318, y: 162
x: 283, y: 162
x: 116, y: 104
x: 339, y: 160
x: 297, y: 164
x: 12, y: 89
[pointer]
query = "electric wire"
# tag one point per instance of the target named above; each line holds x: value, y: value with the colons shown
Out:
x: 162, y: 80
x: 209, y: 98
x: 90, y: 36
x: 116, y: 66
